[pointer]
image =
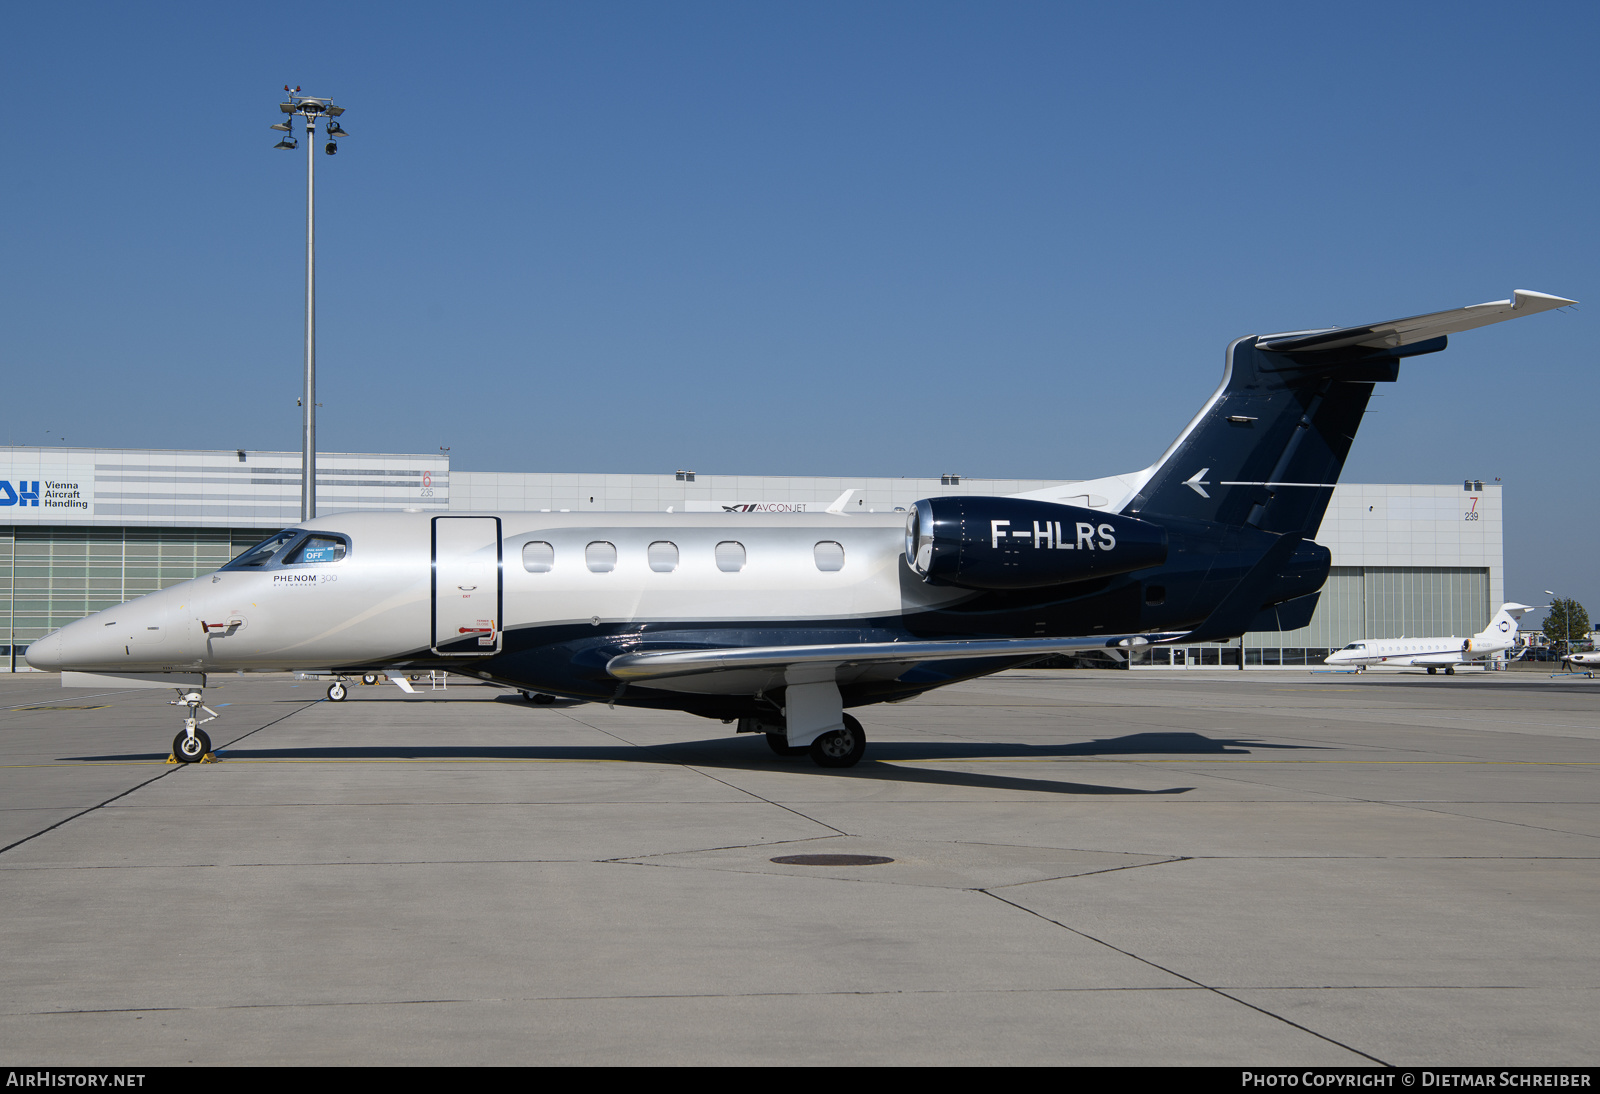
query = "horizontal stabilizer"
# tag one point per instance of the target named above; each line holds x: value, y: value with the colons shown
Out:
x: 1417, y: 328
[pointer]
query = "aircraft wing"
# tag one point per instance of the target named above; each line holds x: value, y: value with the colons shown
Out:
x: 1453, y: 657
x: 1417, y: 328
x: 769, y: 666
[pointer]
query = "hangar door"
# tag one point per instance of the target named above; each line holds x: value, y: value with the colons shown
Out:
x: 467, y: 593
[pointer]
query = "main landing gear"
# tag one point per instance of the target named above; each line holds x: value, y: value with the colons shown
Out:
x: 836, y: 748
x: 192, y: 745
x: 840, y: 747
x: 538, y: 698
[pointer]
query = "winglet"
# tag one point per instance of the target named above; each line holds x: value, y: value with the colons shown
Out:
x: 838, y: 503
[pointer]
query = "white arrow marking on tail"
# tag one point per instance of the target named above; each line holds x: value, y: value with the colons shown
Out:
x: 1194, y: 483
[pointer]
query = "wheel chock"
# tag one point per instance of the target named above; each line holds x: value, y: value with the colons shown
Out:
x: 171, y: 759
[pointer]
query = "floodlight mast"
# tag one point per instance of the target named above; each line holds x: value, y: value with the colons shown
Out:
x: 310, y: 108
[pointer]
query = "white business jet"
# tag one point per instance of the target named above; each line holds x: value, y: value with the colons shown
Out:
x: 1436, y: 653
x: 781, y: 622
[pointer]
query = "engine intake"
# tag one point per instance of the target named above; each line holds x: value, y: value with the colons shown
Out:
x: 1012, y: 543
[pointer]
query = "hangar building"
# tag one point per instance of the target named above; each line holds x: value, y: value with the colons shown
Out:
x: 82, y: 529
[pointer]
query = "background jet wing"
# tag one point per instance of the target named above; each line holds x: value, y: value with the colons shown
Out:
x: 1417, y: 328
x: 1454, y: 657
x: 666, y: 664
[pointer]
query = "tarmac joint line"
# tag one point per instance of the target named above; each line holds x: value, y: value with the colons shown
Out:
x: 1188, y: 979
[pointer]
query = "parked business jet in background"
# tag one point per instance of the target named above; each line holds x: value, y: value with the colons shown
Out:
x: 782, y: 621
x: 1436, y: 653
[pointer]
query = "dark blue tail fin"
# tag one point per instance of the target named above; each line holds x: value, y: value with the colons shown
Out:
x: 1266, y: 451
x: 1269, y: 447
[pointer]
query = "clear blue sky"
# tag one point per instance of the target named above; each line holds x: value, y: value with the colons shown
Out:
x: 1000, y: 239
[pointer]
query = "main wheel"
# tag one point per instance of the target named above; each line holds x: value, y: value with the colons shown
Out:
x: 337, y: 692
x: 779, y: 743
x: 187, y: 749
x: 1450, y: 671
x: 369, y: 678
x: 840, y: 747
x: 1432, y: 670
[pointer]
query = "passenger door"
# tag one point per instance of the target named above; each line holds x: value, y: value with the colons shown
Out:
x: 467, y: 589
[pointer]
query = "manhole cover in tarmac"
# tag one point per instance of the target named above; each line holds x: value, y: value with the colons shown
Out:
x: 831, y: 860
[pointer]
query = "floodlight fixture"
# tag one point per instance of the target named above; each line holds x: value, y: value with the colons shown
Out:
x: 284, y: 126
x: 310, y: 108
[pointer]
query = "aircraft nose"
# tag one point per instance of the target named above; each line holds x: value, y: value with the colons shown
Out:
x: 85, y: 644
x: 44, y: 653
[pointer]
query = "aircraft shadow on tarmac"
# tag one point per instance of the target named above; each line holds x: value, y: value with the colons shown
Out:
x: 751, y: 755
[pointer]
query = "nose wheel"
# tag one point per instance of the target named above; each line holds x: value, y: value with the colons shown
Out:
x: 337, y: 692
x: 193, y: 744
x: 188, y: 750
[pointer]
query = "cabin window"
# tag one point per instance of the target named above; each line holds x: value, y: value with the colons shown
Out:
x: 316, y: 549
x: 730, y: 556
x: 538, y: 557
x: 663, y: 555
x: 829, y: 556
x: 600, y: 556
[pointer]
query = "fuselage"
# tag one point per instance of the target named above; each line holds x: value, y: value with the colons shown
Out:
x: 543, y: 601
x: 1429, y: 652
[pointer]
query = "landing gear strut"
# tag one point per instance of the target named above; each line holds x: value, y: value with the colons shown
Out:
x: 193, y: 744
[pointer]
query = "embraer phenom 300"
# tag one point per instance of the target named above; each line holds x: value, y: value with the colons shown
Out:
x: 781, y: 622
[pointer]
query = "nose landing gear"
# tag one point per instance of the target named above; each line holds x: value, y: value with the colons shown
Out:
x: 192, y: 745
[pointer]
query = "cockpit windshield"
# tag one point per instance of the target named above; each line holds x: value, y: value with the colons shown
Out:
x: 263, y: 552
x: 293, y: 547
x: 1356, y: 646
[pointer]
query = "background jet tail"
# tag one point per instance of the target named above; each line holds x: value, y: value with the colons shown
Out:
x: 1267, y: 449
x: 1504, y: 624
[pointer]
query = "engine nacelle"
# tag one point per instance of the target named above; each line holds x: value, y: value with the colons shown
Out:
x: 1012, y: 543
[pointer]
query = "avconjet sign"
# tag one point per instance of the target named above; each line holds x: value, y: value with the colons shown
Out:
x: 1010, y: 543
